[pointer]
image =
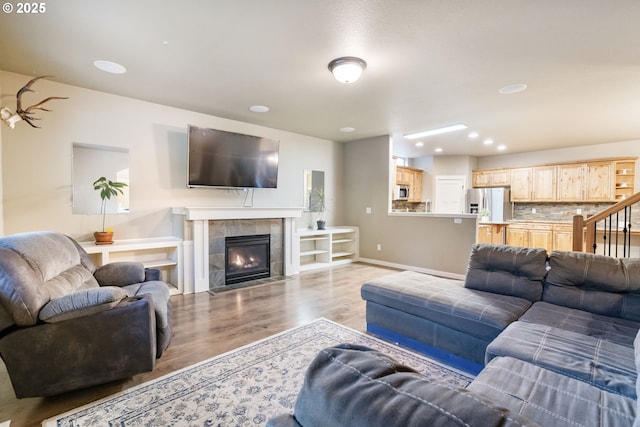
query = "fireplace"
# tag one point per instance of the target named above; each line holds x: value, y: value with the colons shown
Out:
x: 247, y: 258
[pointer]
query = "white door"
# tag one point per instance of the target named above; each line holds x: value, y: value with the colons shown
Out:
x: 450, y: 191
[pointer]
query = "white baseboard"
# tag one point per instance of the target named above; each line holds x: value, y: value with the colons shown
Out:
x: 446, y: 274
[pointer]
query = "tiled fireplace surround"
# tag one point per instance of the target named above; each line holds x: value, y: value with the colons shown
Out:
x: 221, y: 229
x: 204, y: 229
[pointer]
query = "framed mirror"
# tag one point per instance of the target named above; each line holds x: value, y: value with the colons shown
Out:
x: 91, y: 162
x: 313, y: 191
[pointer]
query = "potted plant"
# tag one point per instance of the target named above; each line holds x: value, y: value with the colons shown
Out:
x: 107, y: 189
x: 485, y: 215
x: 317, y: 205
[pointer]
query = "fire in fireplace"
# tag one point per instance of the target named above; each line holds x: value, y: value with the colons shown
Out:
x: 247, y: 258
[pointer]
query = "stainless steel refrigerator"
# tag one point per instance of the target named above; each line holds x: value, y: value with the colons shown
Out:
x: 495, y: 200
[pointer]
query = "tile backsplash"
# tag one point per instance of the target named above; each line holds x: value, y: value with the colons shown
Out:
x: 564, y: 212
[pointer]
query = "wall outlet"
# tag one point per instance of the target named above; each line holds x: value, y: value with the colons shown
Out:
x: 578, y: 211
x: 457, y: 220
x: 379, y: 247
x: 533, y: 210
x: 367, y: 210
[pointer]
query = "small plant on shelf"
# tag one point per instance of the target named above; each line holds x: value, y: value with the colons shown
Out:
x: 107, y: 189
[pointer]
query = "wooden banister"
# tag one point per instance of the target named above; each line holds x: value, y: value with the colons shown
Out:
x: 584, y: 231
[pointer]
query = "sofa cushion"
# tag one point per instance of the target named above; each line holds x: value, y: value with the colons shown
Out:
x: 595, y: 283
x: 81, y: 303
x: 549, y: 398
x: 446, y: 302
x: 507, y: 270
x: 356, y: 386
x: 636, y: 353
x: 603, y: 364
x: 613, y: 329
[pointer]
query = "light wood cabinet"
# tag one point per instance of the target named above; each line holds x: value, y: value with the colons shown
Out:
x: 413, y: 178
x: 599, y: 182
x: 571, y: 182
x: 591, y: 181
x: 491, y: 233
x: 491, y: 178
x: 562, y: 237
x: 544, y: 184
x: 521, y: 184
x: 530, y: 235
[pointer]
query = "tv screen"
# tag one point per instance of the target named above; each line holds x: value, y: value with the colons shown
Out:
x: 232, y: 160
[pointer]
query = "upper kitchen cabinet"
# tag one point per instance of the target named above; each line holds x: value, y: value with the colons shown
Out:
x: 604, y: 180
x: 491, y: 178
x: 600, y: 181
x: 411, y: 177
x: 521, y: 184
x: 544, y: 184
x: 536, y: 184
x: 571, y: 182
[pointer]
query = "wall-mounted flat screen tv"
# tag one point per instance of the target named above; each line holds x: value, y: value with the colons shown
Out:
x: 231, y: 160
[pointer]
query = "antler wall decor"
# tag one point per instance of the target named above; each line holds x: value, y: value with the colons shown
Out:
x: 10, y: 119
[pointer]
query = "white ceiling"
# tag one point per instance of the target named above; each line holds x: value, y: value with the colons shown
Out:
x: 430, y: 63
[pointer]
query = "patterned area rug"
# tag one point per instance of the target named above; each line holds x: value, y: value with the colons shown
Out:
x: 244, y: 387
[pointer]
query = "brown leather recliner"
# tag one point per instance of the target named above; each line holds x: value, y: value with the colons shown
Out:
x: 66, y: 325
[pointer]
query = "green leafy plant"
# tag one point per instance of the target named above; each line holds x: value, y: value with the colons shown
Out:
x: 107, y: 189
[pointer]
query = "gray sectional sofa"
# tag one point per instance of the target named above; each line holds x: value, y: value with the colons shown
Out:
x: 555, y: 340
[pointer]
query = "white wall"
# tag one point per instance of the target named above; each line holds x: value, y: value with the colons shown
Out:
x: 36, y: 163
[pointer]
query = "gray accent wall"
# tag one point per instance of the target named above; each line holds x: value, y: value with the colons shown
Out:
x: 423, y: 242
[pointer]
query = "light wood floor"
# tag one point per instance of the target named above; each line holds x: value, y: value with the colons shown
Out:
x: 206, y: 325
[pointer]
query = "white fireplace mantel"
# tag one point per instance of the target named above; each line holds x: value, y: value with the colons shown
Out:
x: 199, y: 217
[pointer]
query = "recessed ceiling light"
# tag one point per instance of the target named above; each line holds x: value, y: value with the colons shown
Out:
x: 347, y: 129
x: 109, y: 66
x: 488, y: 141
x: 419, y: 144
x: 514, y: 88
x: 435, y: 131
x: 438, y: 150
x: 473, y: 135
x: 501, y: 147
x: 259, y: 108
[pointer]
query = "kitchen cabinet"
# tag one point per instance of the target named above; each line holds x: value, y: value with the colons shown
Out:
x: 544, y: 184
x: 600, y: 181
x: 491, y: 178
x: 413, y: 178
x: 532, y: 235
x: 562, y: 237
x: 491, y: 233
x: 603, y: 180
x: 521, y: 184
x: 571, y: 182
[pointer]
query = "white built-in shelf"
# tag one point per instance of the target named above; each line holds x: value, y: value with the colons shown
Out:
x: 326, y: 248
x: 162, y: 253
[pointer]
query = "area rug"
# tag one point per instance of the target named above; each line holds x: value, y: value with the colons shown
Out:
x: 244, y: 387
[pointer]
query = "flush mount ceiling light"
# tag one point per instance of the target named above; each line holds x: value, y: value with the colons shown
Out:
x: 347, y: 69
x: 109, y: 66
x: 435, y: 131
x: 347, y: 129
x: 259, y: 108
x: 514, y: 88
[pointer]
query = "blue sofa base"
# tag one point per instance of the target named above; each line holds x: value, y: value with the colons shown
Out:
x: 438, y: 354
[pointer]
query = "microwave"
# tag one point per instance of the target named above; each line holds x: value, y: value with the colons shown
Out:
x: 402, y: 192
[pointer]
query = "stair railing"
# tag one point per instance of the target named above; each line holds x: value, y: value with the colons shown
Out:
x: 613, y: 224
